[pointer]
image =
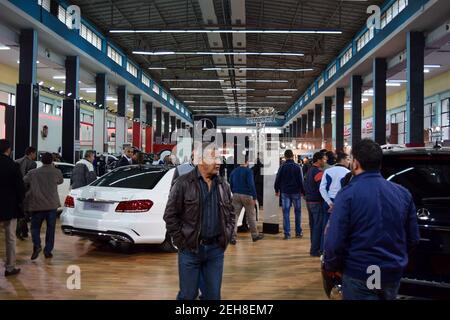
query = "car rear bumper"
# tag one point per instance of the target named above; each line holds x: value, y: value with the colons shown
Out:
x: 95, y: 234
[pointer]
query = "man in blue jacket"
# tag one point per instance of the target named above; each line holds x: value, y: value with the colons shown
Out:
x: 244, y: 196
x: 372, y: 228
x: 289, y: 182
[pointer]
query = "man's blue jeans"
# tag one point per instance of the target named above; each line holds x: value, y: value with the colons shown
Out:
x: 286, y: 201
x: 316, y: 216
x: 355, y: 289
x: 207, y: 264
x: 37, y: 217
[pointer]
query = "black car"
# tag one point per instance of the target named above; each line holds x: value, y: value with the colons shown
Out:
x: 425, y: 172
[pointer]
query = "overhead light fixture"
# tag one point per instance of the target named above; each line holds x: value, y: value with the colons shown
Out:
x: 263, y: 81
x: 290, y: 90
x: 426, y: 70
x: 194, y: 80
x: 61, y: 92
x: 111, y: 99
x: 279, y: 97
x: 37, y: 62
x: 259, y: 69
x: 41, y: 83
x: 3, y: 47
x: 393, y: 84
x: 157, y: 68
x: 216, y: 53
x: 88, y: 89
x: 52, y: 88
x: 237, y: 30
x: 432, y: 66
x: 59, y: 77
x: 91, y: 91
x: 69, y: 94
x: 397, y: 81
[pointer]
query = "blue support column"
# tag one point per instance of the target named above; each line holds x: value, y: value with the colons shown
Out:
x: 100, y: 131
x: 27, y: 95
x: 415, y: 89
x: 379, y: 100
x: 121, y: 130
x: 356, y: 89
x: 340, y: 97
x: 71, y: 112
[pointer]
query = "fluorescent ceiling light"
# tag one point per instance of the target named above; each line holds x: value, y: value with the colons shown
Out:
x: 290, y: 90
x: 364, y: 100
x: 237, y: 30
x: 3, y: 47
x: 91, y: 91
x: 157, y: 68
x: 263, y: 81
x: 194, y: 80
x: 201, y: 96
x: 111, y: 99
x: 396, y: 81
x: 215, y: 53
x: 280, y: 97
x: 41, y: 83
x: 432, y: 66
x: 52, y: 88
x: 426, y: 70
x: 196, y: 89
x: 61, y: 92
x: 393, y: 84
x: 88, y: 89
x: 59, y: 77
x: 259, y: 69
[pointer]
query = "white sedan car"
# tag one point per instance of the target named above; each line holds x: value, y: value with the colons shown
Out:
x: 125, y: 207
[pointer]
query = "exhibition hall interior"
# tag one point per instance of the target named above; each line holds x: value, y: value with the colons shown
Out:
x: 225, y: 150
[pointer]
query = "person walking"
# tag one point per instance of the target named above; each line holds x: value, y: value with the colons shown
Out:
x: 314, y: 202
x: 42, y: 201
x: 84, y: 173
x: 26, y: 163
x: 126, y: 159
x: 200, y: 219
x: 289, y: 183
x: 332, y: 183
x: 373, y: 225
x: 244, y: 196
x: 12, y: 192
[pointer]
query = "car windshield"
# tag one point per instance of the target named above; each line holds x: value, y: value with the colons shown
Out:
x: 131, y: 177
x: 425, y: 176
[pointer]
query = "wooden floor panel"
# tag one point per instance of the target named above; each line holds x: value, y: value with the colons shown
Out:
x: 269, y: 269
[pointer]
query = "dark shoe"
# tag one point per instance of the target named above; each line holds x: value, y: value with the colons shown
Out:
x: 286, y: 237
x: 258, y: 237
x: 299, y: 235
x: 233, y: 242
x: 48, y: 255
x: 12, y: 272
x: 36, y: 252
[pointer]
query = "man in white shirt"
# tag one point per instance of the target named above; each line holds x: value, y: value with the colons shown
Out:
x: 331, y: 184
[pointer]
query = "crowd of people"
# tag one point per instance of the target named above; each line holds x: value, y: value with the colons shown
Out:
x: 356, y: 218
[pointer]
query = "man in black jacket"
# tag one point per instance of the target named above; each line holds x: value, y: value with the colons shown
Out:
x: 200, y: 219
x: 12, y: 192
x: 126, y: 159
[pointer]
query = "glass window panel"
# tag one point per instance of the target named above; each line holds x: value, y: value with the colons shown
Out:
x: 445, y: 105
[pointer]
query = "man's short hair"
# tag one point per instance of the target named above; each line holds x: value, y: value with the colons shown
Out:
x: 4, y: 145
x: 369, y: 154
x: 30, y: 150
x: 47, y: 158
x: 89, y: 153
x: 324, y: 151
x: 288, y: 154
x: 341, y: 156
x: 318, y: 156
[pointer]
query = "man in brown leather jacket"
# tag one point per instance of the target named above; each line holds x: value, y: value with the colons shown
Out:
x: 200, y: 219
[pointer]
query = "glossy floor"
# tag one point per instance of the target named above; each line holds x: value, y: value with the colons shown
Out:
x: 269, y: 269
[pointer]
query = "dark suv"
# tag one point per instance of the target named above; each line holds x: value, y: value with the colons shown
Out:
x: 425, y: 172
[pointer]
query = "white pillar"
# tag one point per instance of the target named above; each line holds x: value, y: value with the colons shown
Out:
x: 100, y: 133
x: 120, y: 134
